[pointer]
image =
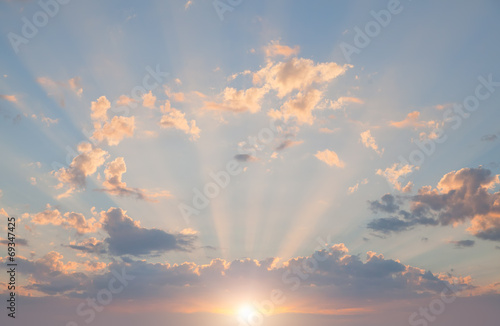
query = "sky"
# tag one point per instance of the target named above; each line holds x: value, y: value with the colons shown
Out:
x: 237, y: 162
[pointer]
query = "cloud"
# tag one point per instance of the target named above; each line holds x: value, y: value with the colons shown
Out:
x: 149, y: 100
x: 239, y: 100
x: 329, y: 157
x: 188, y: 4
x: 302, y: 105
x: 68, y: 220
x: 10, y: 98
x: 245, y: 158
x: 297, y: 74
x: 99, y: 109
x: 412, y: 120
x: 369, y: 142
x: 386, y: 204
x: 463, y: 243
x: 127, y: 237
x: 55, y: 88
x: 328, y: 277
x: 343, y: 101
x: 287, y: 143
x: 50, y: 275
x: 114, y: 185
x: 276, y: 49
x: 124, y: 100
x: 325, y: 130
x: 355, y: 188
x: 177, y: 120
x: 395, y: 172
x: 460, y: 196
x: 91, y: 245
x: 18, y: 241
x: 82, y: 166
x: 75, y: 85
x: 114, y: 131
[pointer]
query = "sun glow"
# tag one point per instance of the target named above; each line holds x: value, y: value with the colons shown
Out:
x: 246, y: 311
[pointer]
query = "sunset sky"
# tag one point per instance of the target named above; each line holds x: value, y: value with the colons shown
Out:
x: 237, y: 162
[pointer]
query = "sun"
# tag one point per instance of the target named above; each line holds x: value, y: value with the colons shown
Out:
x: 246, y: 311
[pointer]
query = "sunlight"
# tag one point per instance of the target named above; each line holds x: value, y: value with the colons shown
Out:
x: 246, y: 311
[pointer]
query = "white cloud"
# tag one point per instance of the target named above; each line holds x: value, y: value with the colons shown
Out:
x: 369, y: 142
x: 329, y: 157
x: 395, y: 172
x: 82, y: 166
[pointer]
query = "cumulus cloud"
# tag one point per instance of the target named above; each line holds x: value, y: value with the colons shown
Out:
x: 460, y: 196
x: 320, y: 280
x: 99, y: 109
x: 369, y: 142
x: 114, y: 185
x: 149, y: 100
x: 239, y: 100
x: 297, y: 74
x: 329, y: 157
x: 276, y: 49
x: 177, y: 120
x: 114, y: 131
x: 386, y: 204
x: 127, y: 237
x: 82, y: 166
x: 302, y: 105
x: 50, y: 275
x: 68, y: 220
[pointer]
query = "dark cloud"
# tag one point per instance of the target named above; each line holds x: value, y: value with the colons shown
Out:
x: 386, y: 204
x: 245, y: 158
x: 18, y: 242
x: 51, y: 276
x: 389, y: 224
x: 91, y: 245
x: 127, y: 237
x: 463, y: 243
x: 286, y: 144
x: 460, y: 196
